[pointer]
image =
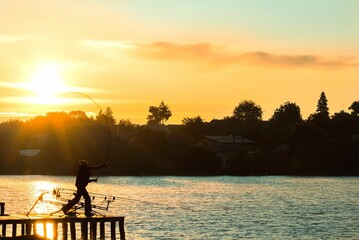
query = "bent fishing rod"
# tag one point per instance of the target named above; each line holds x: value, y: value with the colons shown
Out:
x: 106, y: 161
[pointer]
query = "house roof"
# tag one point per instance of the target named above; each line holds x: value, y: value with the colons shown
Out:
x: 229, y: 139
x: 29, y: 152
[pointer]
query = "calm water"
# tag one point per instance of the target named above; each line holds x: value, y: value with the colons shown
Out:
x: 214, y: 207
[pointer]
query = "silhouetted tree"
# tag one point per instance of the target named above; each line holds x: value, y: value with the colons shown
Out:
x: 247, y: 110
x: 194, y: 127
x: 192, y: 121
x: 78, y: 115
x: 287, y: 114
x: 125, y: 123
x: 159, y: 115
x: 107, y: 115
x: 151, y: 148
x: 322, y: 145
x: 321, y: 116
x: 322, y: 106
x: 343, y: 124
x: 355, y: 108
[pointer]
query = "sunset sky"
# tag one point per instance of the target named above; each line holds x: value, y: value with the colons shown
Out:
x: 201, y: 57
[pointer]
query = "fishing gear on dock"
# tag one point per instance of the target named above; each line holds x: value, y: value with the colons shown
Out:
x: 99, y: 195
x: 58, y: 197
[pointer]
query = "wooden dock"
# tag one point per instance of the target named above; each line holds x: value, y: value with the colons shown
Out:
x: 63, y: 227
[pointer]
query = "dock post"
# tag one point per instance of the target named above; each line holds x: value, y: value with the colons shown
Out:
x: 102, y: 230
x: 84, y: 230
x: 14, y: 229
x: 64, y: 230
x: 2, y: 208
x: 3, y: 232
x: 28, y: 228
x: 93, y: 230
x: 73, y: 231
x: 22, y: 229
x: 122, y: 228
x: 113, y: 230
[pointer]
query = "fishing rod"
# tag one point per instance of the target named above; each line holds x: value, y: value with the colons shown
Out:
x: 106, y: 121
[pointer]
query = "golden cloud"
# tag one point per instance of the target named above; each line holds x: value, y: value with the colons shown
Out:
x: 221, y: 56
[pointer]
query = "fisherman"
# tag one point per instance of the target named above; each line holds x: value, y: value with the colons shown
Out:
x: 82, y: 179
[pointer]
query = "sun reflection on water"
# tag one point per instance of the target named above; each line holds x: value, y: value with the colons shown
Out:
x: 42, y: 192
x: 45, y: 230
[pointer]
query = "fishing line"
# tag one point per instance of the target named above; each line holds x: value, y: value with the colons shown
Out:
x: 104, y: 117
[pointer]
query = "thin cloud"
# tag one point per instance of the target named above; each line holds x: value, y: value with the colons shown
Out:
x: 15, y: 114
x: 107, y: 44
x: 220, y: 56
x: 168, y: 50
x: 17, y: 38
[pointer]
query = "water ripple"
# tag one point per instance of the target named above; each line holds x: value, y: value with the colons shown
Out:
x: 217, y: 207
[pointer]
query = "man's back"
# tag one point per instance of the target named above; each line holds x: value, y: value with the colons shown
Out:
x: 83, y: 176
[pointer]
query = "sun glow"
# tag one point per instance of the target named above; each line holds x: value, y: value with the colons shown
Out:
x: 43, y: 189
x: 45, y: 230
x: 47, y: 85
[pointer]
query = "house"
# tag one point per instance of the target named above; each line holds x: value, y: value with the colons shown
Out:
x: 226, y: 147
x: 226, y: 143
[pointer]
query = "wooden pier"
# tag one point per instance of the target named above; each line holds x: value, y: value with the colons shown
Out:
x: 65, y: 227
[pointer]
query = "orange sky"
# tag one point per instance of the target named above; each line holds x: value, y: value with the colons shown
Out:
x: 200, y: 58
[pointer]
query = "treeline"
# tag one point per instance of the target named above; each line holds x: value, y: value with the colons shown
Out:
x: 285, y: 144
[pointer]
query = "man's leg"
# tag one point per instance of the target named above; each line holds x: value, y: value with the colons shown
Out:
x: 88, y: 209
x: 72, y: 202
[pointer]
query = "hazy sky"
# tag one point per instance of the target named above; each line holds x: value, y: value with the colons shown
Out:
x: 200, y: 57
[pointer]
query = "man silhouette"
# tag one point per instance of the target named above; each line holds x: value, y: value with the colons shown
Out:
x: 82, y: 179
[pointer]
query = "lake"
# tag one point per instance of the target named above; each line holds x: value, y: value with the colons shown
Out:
x: 223, y: 207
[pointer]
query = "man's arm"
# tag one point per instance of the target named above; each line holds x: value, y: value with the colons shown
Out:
x: 93, y: 180
x: 106, y: 164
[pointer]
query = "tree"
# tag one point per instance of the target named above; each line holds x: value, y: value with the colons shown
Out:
x: 194, y: 127
x: 159, y: 115
x: 125, y: 123
x: 322, y: 106
x: 108, y: 115
x: 247, y: 110
x: 321, y: 116
x: 196, y: 121
x: 78, y: 114
x: 355, y: 108
x: 287, y: 114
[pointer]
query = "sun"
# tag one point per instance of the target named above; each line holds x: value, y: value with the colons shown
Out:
x: 46, y: 84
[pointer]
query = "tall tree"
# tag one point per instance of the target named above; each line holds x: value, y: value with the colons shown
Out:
x: 322, y: 106
x: 247, y: 110
x: 159, y: 115
x: 321, y: 116
x: 108, y: 115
